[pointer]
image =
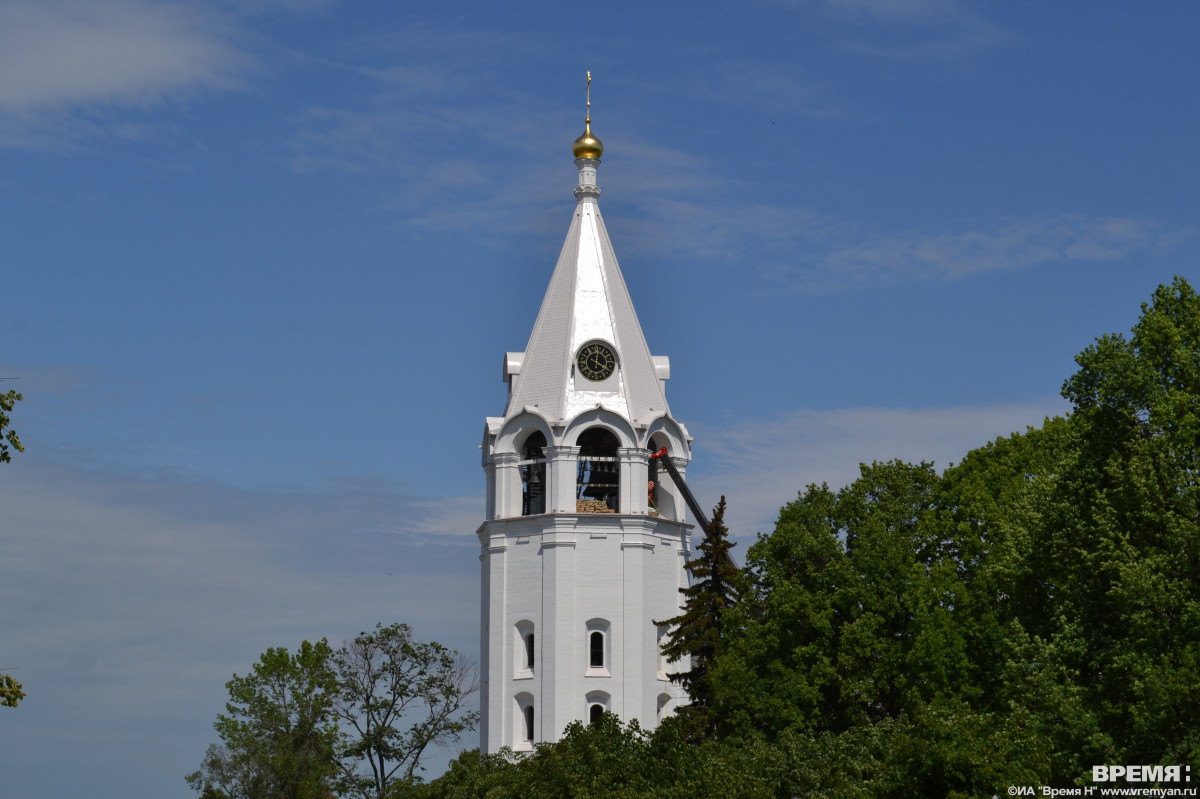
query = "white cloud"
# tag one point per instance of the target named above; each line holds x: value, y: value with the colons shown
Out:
x: 65, y: 62
x: 1015, y: 245
x: 724, y: 231
x: 911, y: 12
x: 443, y: 187
x: 70, y: 52
x: 761, y: 464
x: 803, y: 249
x: 294, y: 7
x: 950, y: 29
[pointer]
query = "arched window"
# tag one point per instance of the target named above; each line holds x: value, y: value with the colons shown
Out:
x: 595, y: 705
x: 523, y: 722
x: 596, y: 650
x: 599, y: 655
x: 598, y: 481
x: 533, y: 475
x: 523, y: 650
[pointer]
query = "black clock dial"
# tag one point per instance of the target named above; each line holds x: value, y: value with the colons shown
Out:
x: 596, y: 362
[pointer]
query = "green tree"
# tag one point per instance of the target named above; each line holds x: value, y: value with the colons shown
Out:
x: 697, y: 634
x: 1090, y: 538
x: 278, y: 734
x: 780, y: 670
x: 319, y: 723
x: 1116, y: 546
x: 609, y: 759
x: 223, y: 775
x: 854, y: 612
x: 387, y: 679
x: 7, y: 401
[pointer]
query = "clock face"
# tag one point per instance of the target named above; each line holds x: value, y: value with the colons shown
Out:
x: 596, y: 362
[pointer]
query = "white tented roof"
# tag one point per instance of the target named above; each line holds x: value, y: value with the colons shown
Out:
x: 587, y: 300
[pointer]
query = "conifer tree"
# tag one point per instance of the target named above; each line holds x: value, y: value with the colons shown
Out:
x: 696, y: 636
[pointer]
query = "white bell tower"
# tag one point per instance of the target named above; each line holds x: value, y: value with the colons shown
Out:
x: 579, y: 557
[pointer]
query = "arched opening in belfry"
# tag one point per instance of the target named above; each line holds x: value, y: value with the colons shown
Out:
x: 661, y: 491
x: 533, y: 475
x: 598, y: 480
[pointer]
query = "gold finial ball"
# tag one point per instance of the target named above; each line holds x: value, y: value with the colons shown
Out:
x: 587, y: 145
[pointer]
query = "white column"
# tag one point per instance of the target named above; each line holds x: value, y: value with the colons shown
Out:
x: 634, y: 476
x: 636, y: 661
x: 560, y: 485
x: 680, y: 504
x: 683, y: 553
x: 508, y: 484
x: 489, y: 469
x: 561, y: 640
x: 484, y: 641
x: 496, y: 708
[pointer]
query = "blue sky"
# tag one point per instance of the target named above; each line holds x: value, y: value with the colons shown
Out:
x: 260, y: 262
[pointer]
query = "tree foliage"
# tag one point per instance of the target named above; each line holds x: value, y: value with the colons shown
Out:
x: 1118, y: 558
x: 11, y: 693
x: 696, y: 635
x: 277, y: 733
x: 853, y: 610
x: 387, y: 679
x: 321, y: 723
x: 8, y: 436
x: 609, y: 759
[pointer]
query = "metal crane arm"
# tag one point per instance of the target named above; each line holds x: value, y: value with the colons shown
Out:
x: 700, y: 516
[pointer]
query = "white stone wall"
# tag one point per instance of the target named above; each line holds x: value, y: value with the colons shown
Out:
x: 558, y: 574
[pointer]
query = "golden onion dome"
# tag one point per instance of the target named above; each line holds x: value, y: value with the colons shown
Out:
x: 587, y: 145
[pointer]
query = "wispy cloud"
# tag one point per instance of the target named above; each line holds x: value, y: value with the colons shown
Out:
x: 909, y: 12
x: 799, y: 248
x: 293, y: 7
x: 1015, y: 245
x: 444, y: 186
x: 125, y: 51
x: 63, y: 56
x: 795, y: 247
x: 459, y: 159
x: 451, y: 168
x: 722, y: 230
x: 761, y: 464
x: 781, y: 88
x: 933, y: 29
